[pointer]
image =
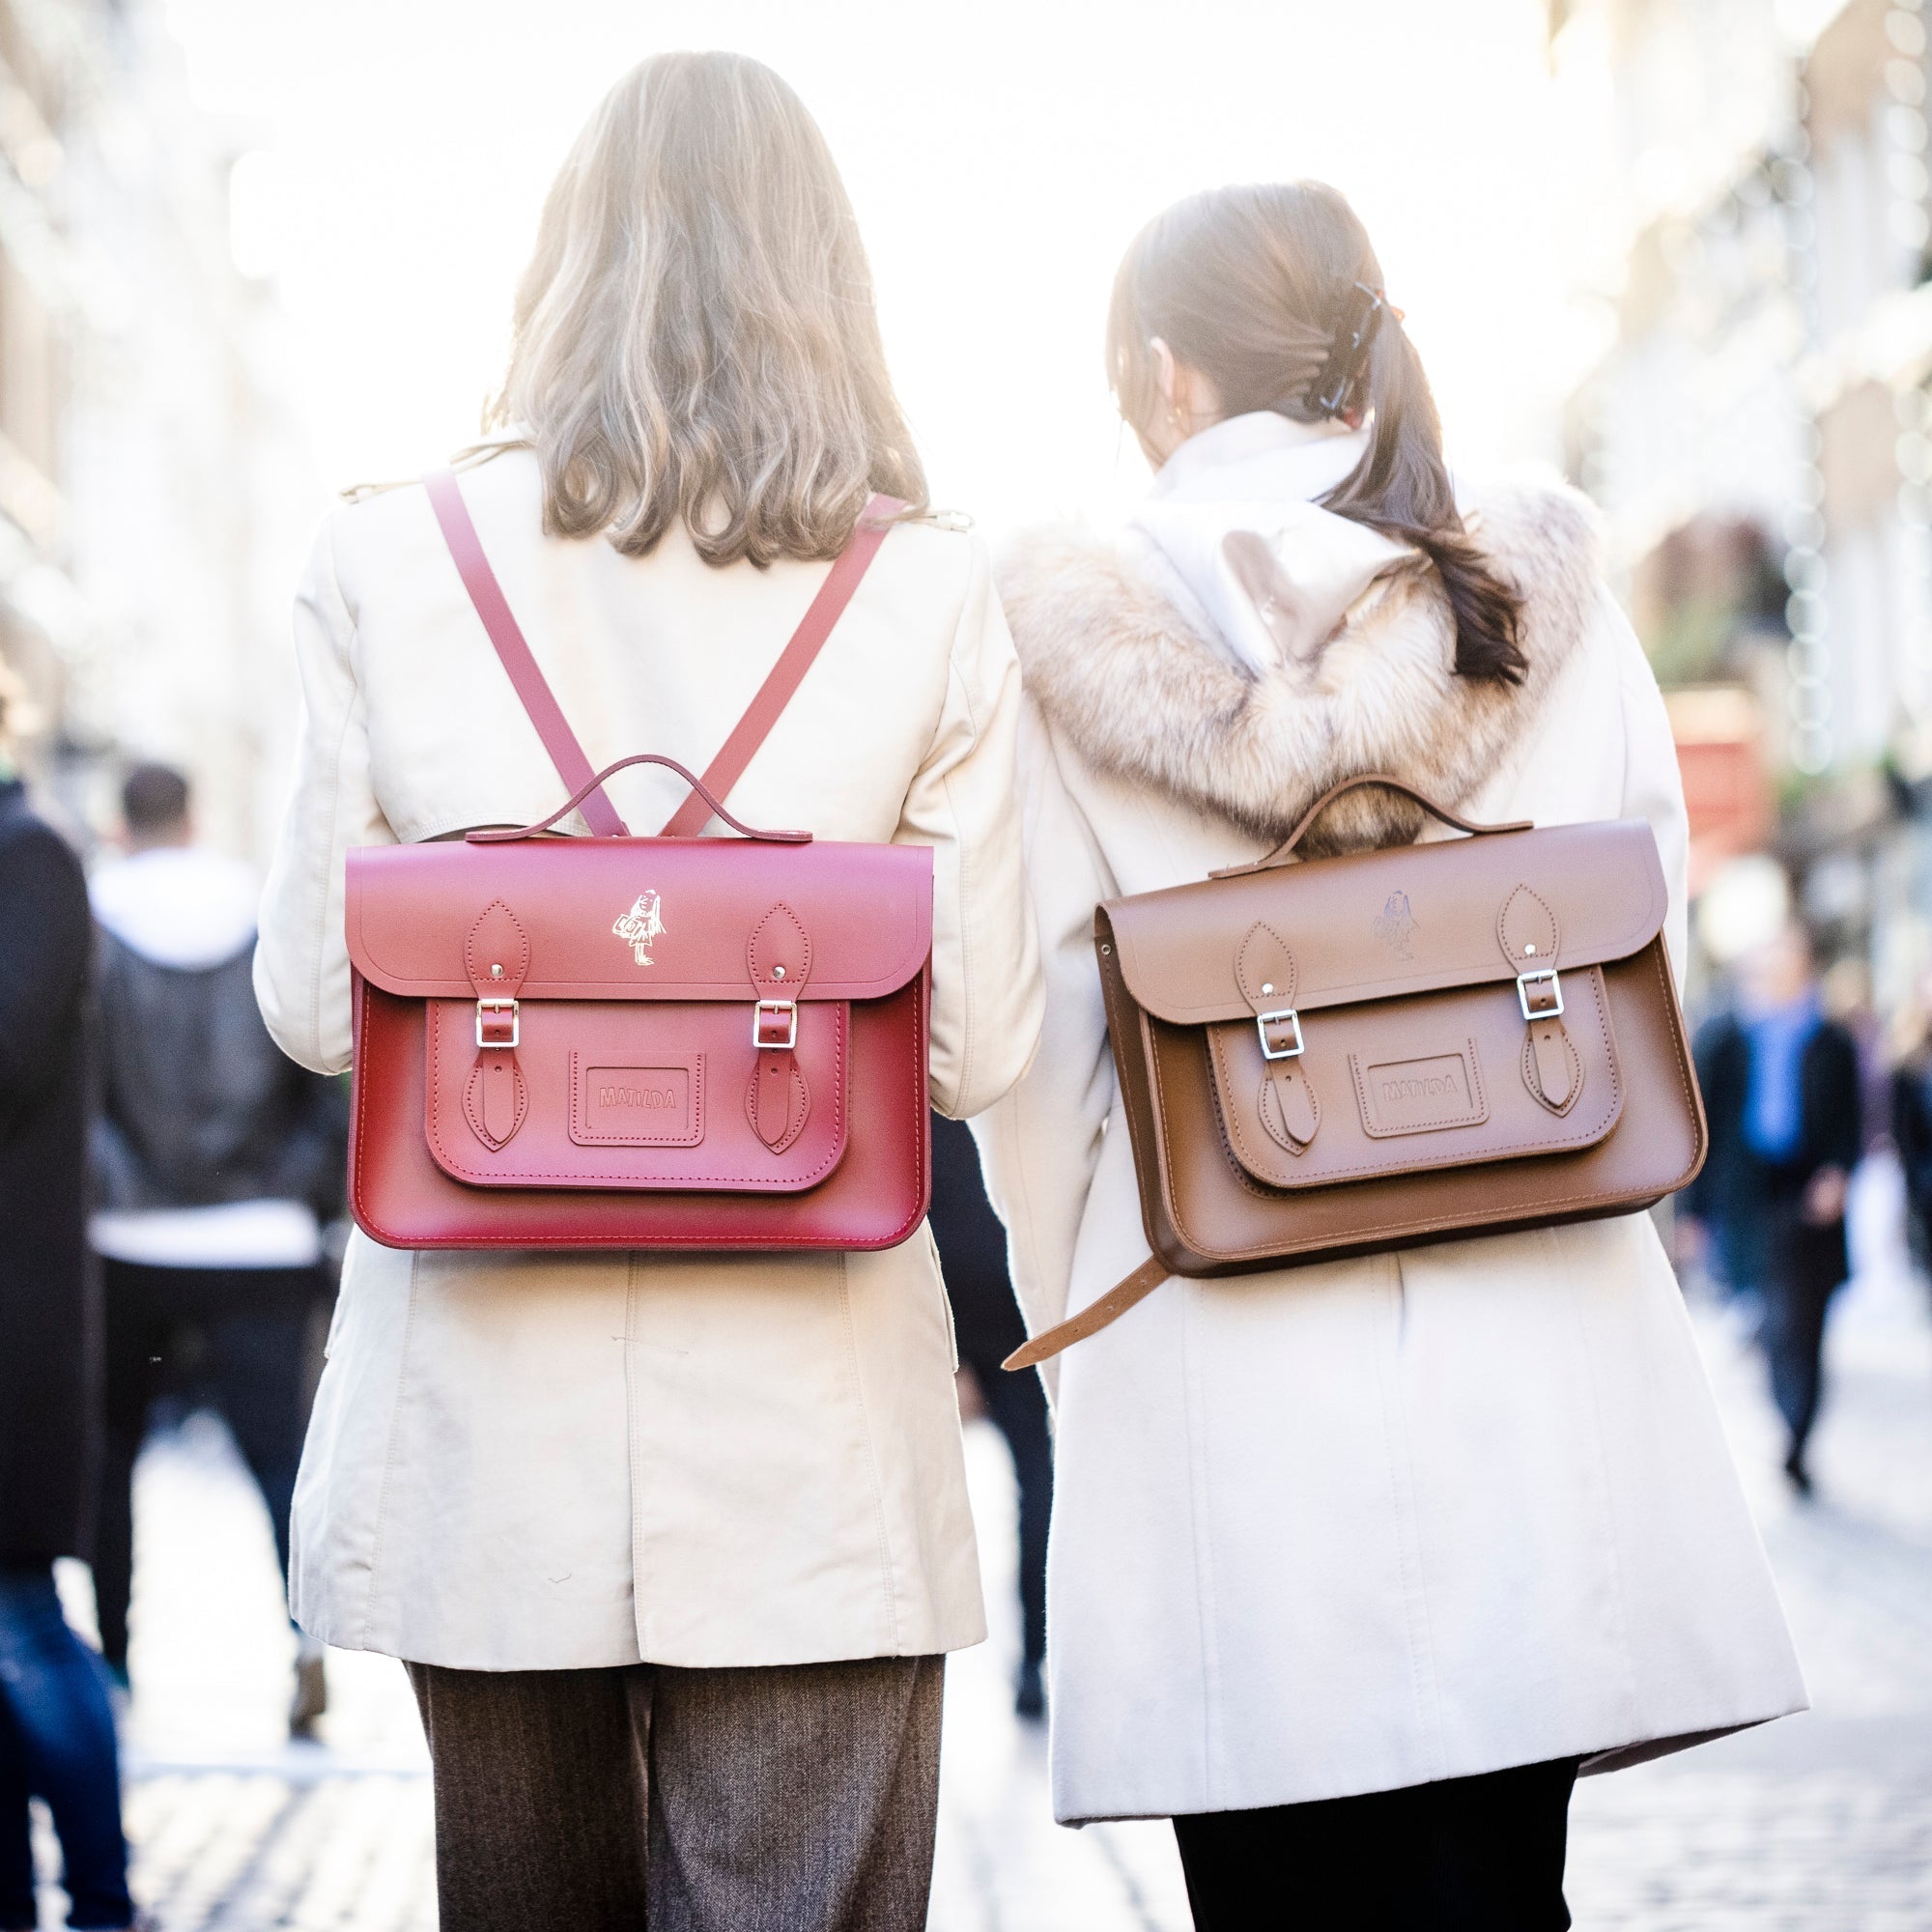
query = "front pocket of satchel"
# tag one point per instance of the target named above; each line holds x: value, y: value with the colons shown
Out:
x: 624, y: 1095
x: 1424, y: 1082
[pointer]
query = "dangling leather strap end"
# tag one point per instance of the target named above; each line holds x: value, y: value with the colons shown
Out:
x: 1092, y: 1318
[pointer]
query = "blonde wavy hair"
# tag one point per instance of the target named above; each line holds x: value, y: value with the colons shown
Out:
x: 696, y: 336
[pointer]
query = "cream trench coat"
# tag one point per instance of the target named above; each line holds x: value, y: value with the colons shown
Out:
x: 1376, y: 1522
x: 532, y: 1461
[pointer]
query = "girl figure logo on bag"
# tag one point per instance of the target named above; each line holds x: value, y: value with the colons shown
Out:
x: 1396, y: 927
x: 639, y: 926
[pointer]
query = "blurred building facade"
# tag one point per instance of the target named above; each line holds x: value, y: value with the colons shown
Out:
x: 153, y: 485
x: 1757, y: 434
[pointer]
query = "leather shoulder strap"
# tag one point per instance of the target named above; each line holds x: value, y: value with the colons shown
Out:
x: 1096, y: 1316
x: 788, y: 673
x: 573, y: 767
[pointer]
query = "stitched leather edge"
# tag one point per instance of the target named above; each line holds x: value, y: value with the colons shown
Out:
x: 1394, y: 1233
x: 1615, y: 951
x: 582, y: 1136
x: 757, y: 933
x: 797, y: 1110
x: 1502, y: 920
x: 1528, y: 1063
x: 1285, y: 995
x: 601, y: 1184
x: 473, y: 1110
x: 1685, y: 1079
x: 748, y: 1244
x: 1423, y: 1229
x: 1474, y: 1120
x: 469, y: 954
x: 1582, y: 1138
x: 1282, y: 1139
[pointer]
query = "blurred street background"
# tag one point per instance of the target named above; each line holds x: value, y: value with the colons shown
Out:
x: 255, y: 251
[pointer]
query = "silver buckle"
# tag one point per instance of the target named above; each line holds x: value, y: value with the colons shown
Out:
x: 1293, y: 1019
x: 1522, y: 985
x: 509, y: 1007
x: 789, y: 1009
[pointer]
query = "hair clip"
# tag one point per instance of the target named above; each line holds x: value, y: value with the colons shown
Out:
x: 1333, y: 388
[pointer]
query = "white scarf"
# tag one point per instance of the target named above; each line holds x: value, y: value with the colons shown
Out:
x: 1233, y: 532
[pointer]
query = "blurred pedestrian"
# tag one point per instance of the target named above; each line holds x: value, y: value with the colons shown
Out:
x: 1910, y: 1113
x: 988, y: 1325
x: 1356, y: 1564
x: 674, y: 1545
x: 56, y: 1728
x: 216, y: 1162
x: 1781, y: 1092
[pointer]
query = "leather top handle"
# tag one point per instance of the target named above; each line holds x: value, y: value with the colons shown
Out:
x: 506, y: 834
x: 1328, y: 798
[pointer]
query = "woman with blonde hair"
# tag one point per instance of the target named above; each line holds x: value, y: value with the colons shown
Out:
x: 672, y: 1544
x: 1353, y: 1565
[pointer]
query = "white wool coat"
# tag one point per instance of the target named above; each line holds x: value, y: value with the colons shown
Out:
x: 1375, y: 1522
x: 529, y: 1461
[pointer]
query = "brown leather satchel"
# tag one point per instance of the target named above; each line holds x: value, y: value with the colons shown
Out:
x: 1355, y: 1054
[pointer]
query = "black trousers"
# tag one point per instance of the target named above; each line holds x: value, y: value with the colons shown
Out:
x: 1468, y: 1855
x: 1018, y: 1407
x: 232, y: 1340
x: 1808, y: 1266
x: 987, y: 1319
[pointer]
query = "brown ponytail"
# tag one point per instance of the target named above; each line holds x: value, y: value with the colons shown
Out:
x: 1254, y: 286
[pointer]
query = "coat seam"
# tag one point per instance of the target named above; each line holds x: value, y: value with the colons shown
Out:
x: 1425, y: 1682
x: 961, y: 891
x: 1204, y: 1564
x: 334, y: 820
x: 389, y: 1459
x: 631, y: 1290
x: 887, y: 1574
x: 1600, y: 1458
x: 968, y: 981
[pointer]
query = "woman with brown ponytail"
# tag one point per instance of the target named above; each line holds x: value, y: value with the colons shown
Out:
x: 1354, y: 1566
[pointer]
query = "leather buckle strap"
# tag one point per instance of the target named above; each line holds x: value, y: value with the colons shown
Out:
x: 1096, y: 1316
x: 499, y: 1023
x: 779, y: 1012
x: 1267, y: 974
x: 1546, y: 1003
x: 779, y: 959
x: 1280, y: 1017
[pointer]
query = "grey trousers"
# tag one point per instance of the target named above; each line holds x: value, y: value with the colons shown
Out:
x: 800, y: 1798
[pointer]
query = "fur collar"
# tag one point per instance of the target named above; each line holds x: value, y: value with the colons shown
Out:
x: 1117, y: 670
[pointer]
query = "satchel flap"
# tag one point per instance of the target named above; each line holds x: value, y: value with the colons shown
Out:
x: 1410, y: 919
x: 638, y: 918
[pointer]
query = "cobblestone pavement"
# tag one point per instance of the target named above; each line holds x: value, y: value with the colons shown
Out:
x: 1821, y: 1823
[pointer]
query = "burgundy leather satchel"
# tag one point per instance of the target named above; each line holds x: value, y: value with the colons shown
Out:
x: 618, y: 1043
x: 1417, y: 1044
